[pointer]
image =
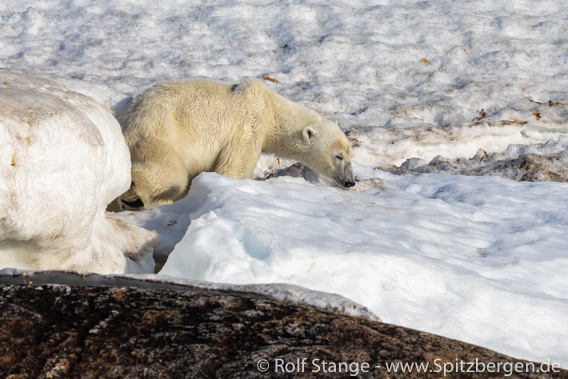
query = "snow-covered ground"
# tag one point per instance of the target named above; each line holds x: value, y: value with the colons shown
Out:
x: 473, y: 258
x: 480, y: 259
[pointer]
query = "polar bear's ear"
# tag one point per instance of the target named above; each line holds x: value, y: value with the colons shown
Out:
x: 309, y: 134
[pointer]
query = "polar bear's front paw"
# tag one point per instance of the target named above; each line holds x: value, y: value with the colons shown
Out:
x: 132, y: 205
x: 130, y: 201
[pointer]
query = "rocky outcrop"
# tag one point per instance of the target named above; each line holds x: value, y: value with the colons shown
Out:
x: 533, y: 163
x: 55, y: 330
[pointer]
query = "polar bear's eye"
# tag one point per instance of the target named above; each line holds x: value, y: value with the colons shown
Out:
x: 339, y: 156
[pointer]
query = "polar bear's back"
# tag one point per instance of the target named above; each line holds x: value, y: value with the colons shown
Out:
x: 187, y: 101
x: 193, y: 118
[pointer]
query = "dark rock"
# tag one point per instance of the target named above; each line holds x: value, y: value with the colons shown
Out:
x: 525, y: 167
x: 54, y: 330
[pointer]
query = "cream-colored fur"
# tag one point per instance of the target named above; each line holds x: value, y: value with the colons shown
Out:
x: 178, y: 129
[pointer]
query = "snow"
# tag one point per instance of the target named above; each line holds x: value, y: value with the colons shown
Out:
x: 63, y: 161
x: 451, y: 87
x: 466, y: 257
x: 408, y: 77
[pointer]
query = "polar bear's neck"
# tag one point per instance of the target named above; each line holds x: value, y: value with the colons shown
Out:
x: 290, y: 119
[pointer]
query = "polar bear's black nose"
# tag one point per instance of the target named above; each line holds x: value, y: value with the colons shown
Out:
x: 349, y: 184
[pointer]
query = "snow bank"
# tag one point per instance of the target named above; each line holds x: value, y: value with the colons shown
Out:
x: 479, y: 259
x: 62, y: 161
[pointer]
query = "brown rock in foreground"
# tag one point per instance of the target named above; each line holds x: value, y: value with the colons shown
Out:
x: 50, y: 331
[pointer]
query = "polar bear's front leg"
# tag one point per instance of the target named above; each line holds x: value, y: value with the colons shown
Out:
x: 237, y: 163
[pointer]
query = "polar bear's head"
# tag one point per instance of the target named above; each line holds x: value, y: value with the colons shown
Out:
x: 329, y: 152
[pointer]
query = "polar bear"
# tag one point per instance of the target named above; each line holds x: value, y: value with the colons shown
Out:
x: 178, y: 129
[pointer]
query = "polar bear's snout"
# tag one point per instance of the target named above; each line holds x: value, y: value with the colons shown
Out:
x: 350, y: 181
x: 339, y: 166
x: 343, y: 175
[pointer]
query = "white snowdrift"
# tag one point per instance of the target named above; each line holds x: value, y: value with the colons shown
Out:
x: 479, y: 259
x: 62, y: 161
